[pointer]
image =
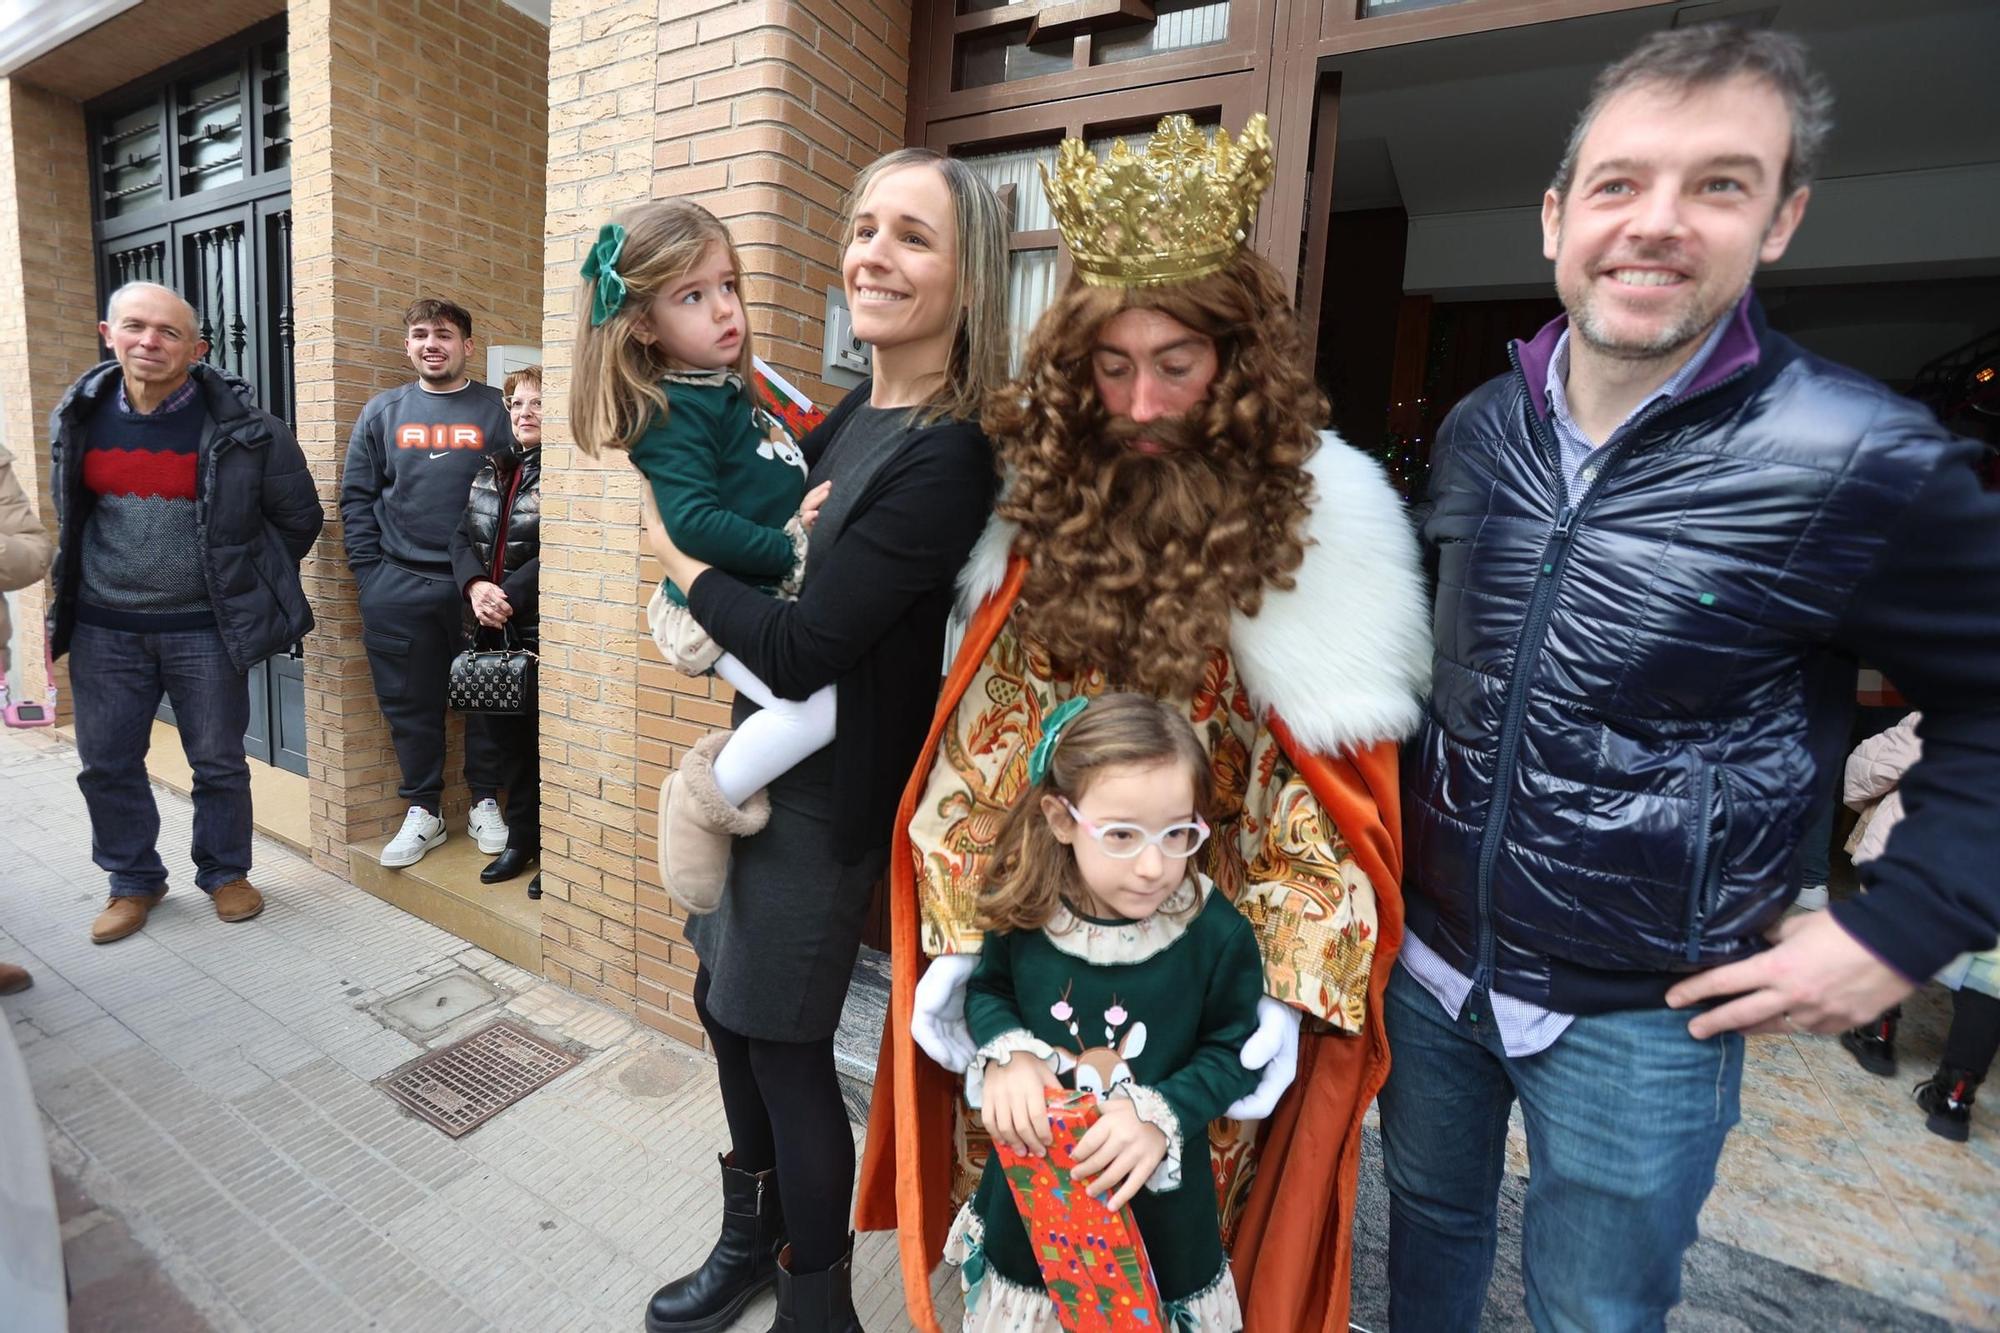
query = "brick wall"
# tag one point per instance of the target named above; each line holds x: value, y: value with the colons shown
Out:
x: 764, y: 110
x: 48, y: 332
x: 417, y: 170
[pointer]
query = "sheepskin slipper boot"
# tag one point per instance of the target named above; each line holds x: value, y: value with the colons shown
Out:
x: 697, y: 824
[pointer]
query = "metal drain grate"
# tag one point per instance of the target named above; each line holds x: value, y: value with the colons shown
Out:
x: 461, y: 1086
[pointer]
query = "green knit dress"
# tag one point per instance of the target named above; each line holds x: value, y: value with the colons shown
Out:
x: 1156, y: 1011
x: 726, y: 488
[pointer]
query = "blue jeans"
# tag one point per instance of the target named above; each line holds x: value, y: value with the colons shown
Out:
x: 117, y: 678
x: 1625, y: 1118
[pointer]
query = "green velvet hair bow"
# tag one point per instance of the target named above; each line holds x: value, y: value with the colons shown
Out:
x: 1053, y: 726
x: 609, y: 293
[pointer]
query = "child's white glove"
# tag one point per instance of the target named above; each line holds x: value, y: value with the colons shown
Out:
x: 937, y: 1018
x: 1273, y: 1048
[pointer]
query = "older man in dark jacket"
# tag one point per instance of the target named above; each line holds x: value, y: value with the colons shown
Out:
x: 1644, y: 535
x: 184, y: 512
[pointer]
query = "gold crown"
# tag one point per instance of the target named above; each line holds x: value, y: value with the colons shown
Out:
x: 1177, y: 213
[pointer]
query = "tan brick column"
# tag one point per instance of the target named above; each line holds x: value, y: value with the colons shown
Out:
x: 763, y: 110
x: 48, y: 336
x: 419, y: 134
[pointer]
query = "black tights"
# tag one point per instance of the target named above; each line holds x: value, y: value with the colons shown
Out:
x: 783, y: 1103
x: 1975, y: 1031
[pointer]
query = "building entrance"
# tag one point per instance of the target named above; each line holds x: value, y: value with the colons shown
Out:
x: 191, y: 188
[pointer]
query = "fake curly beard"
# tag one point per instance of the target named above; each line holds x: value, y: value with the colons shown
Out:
x: 1136, y: 565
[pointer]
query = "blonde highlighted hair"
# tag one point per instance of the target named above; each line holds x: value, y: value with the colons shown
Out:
x: 1031, y: 873
x: 977, y: 362
x: 615, y: 392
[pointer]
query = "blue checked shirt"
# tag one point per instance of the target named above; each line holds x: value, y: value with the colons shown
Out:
x: 175, y: 400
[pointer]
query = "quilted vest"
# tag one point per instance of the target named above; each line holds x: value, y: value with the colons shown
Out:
x: 1613, y: 770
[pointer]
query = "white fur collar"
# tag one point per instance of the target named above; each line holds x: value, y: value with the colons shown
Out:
x: 1344, y: 656
x: 986, y: 568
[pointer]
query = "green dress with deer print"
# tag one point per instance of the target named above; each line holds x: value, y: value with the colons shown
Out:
x: 1156, y: 1011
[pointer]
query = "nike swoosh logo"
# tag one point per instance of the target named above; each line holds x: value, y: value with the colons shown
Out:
x: 445, y: 454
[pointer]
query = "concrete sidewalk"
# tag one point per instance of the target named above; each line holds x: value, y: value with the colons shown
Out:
x: 208, y: 1088
x: 225, y: 1163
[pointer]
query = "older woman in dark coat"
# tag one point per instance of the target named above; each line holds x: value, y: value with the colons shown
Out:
x: 497, y: 556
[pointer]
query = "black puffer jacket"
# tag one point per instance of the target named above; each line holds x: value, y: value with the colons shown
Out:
x: 506, y: 497
x: 255, y: 509
x: 1615, y: 765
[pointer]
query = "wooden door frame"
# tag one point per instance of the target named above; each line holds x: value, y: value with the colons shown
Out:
x: 1234, y: 96
x: 1306, y: 93
x: 936, y: 24
x: 1286, y: 50
x: 1341, y: 27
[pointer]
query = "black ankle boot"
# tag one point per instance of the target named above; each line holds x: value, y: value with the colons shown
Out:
x: 510, y: 864
x: 1946, y: 1097
x: 1873, y: 1045
x: 817, y: 1302
x: 743, y: 1262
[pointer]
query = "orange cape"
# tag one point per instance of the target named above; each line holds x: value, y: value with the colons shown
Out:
x: 1293, y: 1252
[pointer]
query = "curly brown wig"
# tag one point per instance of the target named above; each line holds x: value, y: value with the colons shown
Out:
x: 1136, y: 561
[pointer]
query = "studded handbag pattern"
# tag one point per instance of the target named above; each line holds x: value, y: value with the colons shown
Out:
x: 493, y: 680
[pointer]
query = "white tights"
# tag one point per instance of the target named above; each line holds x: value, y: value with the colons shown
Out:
x: 773, y: 740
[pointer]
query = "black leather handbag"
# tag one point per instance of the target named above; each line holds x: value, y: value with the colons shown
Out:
x: 493, y: 680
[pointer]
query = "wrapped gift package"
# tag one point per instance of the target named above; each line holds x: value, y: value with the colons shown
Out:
x: 784, y: 405
x: 1093, y: 1261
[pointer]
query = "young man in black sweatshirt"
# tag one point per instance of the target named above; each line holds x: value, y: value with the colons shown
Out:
x: 410, y: 465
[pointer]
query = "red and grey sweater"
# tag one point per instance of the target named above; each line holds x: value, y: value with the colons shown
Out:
x: 142, y: 554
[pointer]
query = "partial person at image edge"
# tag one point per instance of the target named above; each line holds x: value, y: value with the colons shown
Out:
x: 25, y: 553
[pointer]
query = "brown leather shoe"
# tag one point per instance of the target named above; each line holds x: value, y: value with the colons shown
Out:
x: 14, y: 979
x: 237, y: 901
x: 122, y: 917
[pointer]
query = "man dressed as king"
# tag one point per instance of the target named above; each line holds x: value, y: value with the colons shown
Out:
x: 1176, y: 521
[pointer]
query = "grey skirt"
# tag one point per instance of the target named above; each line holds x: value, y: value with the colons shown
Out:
x: 781, y: 948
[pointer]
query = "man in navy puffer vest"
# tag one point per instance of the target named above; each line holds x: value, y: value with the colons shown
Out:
x: 1641, y: 537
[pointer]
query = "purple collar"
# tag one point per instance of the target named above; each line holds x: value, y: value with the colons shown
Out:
x: 1737, y: 350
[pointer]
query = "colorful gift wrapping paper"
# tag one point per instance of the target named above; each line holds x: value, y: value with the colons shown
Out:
x: 1093, y: 1261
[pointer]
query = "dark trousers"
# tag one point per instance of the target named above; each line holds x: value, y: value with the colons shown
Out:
x: 1974, y: 1036
x: 118, y: 678
x: 783, y: 1104
x: 413, y: 625
x: 504, y: 754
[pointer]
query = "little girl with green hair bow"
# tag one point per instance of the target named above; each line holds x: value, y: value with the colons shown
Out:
x: 663, y: 374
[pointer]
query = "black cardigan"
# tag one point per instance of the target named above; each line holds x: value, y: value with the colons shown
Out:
x: 872, y: 616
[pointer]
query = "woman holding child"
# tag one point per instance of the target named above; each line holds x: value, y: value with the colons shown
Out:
x: 899, y: 484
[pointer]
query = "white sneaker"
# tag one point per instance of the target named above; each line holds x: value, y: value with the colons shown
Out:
x: 421, y: 831
x: 1812, y: 898
x: 488, y: 826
